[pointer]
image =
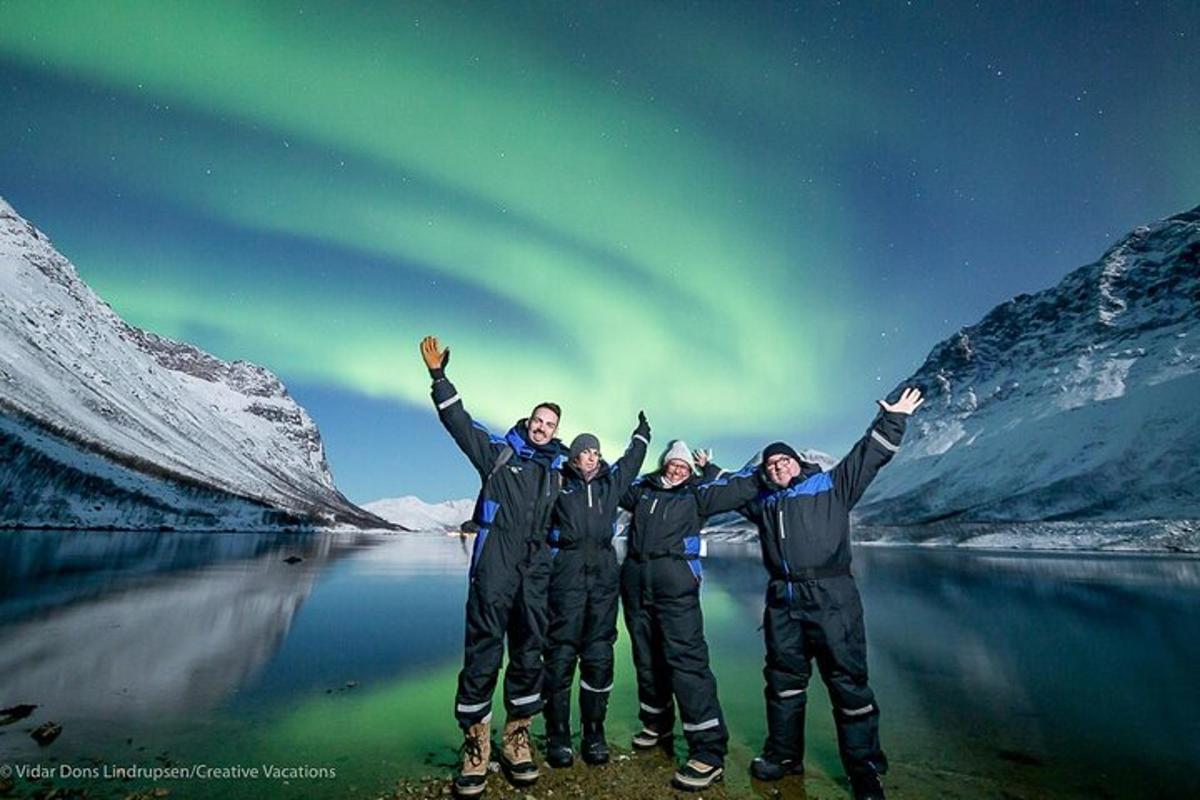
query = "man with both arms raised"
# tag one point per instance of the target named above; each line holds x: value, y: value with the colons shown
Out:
x: 812, y: 606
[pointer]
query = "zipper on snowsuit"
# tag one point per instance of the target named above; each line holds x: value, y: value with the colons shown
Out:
x: 787, y: 573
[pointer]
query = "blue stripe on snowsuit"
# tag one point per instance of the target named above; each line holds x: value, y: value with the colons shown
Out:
x: 817, y: 484
x: 691, y: 552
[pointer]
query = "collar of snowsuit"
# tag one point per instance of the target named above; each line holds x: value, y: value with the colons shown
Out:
x: 572, y: 472
x: 552, y: 454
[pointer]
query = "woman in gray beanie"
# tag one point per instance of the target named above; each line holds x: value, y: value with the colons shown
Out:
x: 583, y: 593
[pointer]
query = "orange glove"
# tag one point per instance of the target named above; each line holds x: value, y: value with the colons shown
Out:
x: 435, y: 358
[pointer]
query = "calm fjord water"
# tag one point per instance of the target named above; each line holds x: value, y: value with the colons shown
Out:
x: 998, y: 674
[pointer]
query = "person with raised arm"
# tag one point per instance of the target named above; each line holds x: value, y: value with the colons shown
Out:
x: 813, y: 608
x: 509, y: 575
x: 584, y: 588
x: 660, y: 593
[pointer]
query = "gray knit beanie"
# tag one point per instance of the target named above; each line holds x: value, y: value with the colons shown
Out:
x: 584, y: 441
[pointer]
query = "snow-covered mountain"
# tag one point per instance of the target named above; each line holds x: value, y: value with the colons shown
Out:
x: 417, y: 515
x: 1075, y: 403
x: 106, y: 425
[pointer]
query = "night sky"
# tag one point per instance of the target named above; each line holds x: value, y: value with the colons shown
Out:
x: 749, y: 219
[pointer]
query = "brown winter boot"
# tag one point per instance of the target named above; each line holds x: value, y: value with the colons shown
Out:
x: 516, y: 755
x: 477, y: 751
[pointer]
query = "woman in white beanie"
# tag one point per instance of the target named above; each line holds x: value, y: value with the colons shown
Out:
x: 660, y: 593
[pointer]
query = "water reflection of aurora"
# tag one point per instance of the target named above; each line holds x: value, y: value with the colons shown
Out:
x: 990, y: 668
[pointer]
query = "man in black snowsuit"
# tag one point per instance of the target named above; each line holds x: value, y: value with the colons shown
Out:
x: 509, y: 575
x: 660, y: 593
x: 584, y: 588
x: 812, y: 605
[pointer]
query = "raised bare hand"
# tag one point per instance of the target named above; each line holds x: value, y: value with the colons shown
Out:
x: 910, y: 400
x: 435, y: 358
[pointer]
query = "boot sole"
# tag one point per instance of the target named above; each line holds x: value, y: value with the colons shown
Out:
x: 665, y: 742
x: 519, y: 774
x: 688, y: 786
x: 777, y: 778
x: 468, y: 791
x: 796, y: 770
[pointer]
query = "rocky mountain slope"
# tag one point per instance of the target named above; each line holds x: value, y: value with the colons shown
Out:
x: 1075, y: 403
x: 106, y: 425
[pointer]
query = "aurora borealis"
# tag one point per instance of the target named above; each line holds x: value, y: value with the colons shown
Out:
x: 748, y: 219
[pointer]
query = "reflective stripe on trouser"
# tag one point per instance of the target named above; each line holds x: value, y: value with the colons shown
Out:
x: 510, y: 605
x: 655, y: 707
x: 825, y: 622
x: 671, y: 655
x: 583, y: 628
x: 786, y: 675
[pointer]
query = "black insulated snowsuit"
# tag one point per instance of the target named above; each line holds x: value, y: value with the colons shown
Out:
x: 584, y: 588
x: 813, y: 608
x: 510, y: 563
x: 660, y: 593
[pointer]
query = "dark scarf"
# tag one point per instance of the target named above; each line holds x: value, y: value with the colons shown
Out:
x: 551, y: 455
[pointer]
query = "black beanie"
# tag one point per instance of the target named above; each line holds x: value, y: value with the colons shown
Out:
x: 583, y: 441
x: 777, y: 448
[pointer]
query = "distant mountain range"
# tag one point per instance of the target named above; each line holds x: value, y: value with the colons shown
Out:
x: 104, y: 425
x: 415, y: 514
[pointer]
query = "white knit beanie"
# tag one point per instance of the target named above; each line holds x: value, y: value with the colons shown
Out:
x: 678, y: 449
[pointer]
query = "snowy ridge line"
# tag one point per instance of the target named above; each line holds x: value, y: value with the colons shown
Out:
x: 1074, y: 402
x: 90, y: 401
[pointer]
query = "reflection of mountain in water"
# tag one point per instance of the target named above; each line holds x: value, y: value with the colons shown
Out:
x: 1059, y: 652
x: 51, y: 568
x: 147, y: 625
x: 1045, y: 655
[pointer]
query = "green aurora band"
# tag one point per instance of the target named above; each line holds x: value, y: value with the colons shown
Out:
x: 647, y: 253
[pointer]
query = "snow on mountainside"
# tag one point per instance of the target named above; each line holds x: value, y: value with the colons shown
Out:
x: 1075, y: 403
x: 105, y: 425
x: 417, y: 515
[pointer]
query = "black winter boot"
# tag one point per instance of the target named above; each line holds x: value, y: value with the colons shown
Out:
x: 558, y: 746
x: 769, y: 767
x: 866, y: 786
x: 593, y: 746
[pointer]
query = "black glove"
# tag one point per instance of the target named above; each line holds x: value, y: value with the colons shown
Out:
x: 643, y: 428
